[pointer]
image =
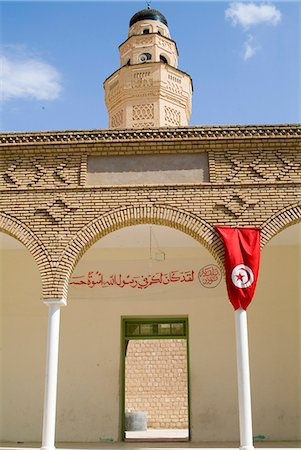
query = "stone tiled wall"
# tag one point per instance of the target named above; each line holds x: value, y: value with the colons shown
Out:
x: 254, y: 180
x: 156, y: 381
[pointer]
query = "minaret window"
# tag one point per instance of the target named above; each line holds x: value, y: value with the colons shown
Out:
x: 146, y: 31
x: 163, y: 59
x: 144, y: 57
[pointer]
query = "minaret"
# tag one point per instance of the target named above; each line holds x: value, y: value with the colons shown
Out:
x: 148, y: 91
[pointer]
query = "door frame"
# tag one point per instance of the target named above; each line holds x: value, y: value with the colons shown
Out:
x: 145, y: 320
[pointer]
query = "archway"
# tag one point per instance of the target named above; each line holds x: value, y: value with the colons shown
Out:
x: 159, y: 214
x: 144, y: 271
x: 23, y: 333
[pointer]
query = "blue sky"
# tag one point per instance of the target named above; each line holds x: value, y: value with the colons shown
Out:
x: 244, y: 59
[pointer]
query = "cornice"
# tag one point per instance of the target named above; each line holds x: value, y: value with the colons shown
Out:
x: 192, y: 133
x: 140, y: 36
x: 148, y: 66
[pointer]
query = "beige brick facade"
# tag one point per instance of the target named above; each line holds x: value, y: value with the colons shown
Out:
x: 254, y: 179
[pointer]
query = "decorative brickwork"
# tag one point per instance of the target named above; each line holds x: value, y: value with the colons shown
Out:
x: 254, y: 174
x: 142, y: 125
x: 172, y: 116
x: 156, y: 381
x: 174, y: 87
x: 117, y: 119
x: 143, y: 112
x: 184, y: 133
x: 148, y: 72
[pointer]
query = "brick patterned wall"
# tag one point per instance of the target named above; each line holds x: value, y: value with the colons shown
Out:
x: 156, y: 381
x: 254, y: 173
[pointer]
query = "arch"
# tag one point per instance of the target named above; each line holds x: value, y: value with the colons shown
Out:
x: 18, y: 230
x: 148, y: 27
x: 144, y: 57
x: 163, y: 59
x: 161, y: 214
x: 279, y: 221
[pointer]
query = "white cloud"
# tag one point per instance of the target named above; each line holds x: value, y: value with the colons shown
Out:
x: 250, y: 48
x: 250, y: 14
x: 28, y: 77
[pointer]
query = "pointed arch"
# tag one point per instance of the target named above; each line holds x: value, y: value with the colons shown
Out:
x: 279, y: 221
x: 160, y: 214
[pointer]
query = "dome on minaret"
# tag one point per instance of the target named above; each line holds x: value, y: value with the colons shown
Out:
x: 148, y: 14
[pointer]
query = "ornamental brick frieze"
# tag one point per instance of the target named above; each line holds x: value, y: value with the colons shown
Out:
x: 163, y: 43
x: 38, y: 172
x: 56, y: 210
x: 142, y: 40
x: 142, y: 83
x: 187, y: 133
x: 259, y: 165
x: 236, y: 205
x: 174, y: 87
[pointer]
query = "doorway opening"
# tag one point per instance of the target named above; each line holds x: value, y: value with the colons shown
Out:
x: 155, y: 379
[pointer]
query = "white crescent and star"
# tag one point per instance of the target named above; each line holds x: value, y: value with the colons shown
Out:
x: 242, y: 276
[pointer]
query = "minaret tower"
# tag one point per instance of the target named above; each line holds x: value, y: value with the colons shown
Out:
x: 148, y: 91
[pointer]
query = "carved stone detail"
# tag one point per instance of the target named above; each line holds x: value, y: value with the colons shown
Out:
x: 117, y: 119
x: 172, y: 116
x: 143, y: 111
x: 165, y: 44
x: 125, y: 48
x: 144, y: 41
x: 143, y: 124
x: 141, y: 79
x: 173, y: 87
x: 114, y: 90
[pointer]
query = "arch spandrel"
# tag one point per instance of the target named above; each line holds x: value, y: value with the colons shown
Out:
x: 279, y: 221
x: 21, y: 232
x: 164, y: 215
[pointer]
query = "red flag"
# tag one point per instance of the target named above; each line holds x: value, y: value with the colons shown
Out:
x: 242, y: 255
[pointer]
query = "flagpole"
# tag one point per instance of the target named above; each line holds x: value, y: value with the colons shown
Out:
x: 243, y: 375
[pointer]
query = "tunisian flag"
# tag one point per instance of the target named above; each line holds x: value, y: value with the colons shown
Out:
x: 242, y: 255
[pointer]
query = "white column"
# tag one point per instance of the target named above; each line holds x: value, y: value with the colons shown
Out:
x: 243, y: 375
x: 49, y: 417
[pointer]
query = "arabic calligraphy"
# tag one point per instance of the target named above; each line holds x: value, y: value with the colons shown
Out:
x: 93, y: 279
x: 210, y: 276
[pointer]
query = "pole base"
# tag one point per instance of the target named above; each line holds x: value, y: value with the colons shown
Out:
x: 48, y: 448
x: 246, y: 447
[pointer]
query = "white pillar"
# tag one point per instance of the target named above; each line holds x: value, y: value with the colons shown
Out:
x: 243, y: 375
x: 49, y: 417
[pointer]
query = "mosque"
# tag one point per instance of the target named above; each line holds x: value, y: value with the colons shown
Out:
x: 113, y: 273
